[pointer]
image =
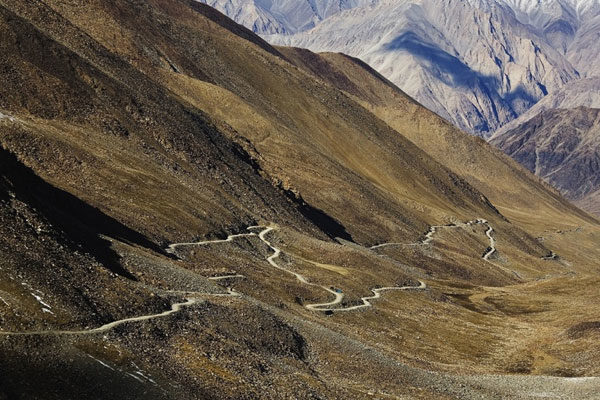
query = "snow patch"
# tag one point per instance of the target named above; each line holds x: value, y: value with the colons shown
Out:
x: 140, y: 372
x: 41, y: 301
x: 6, y: 116
x: 101, y: 362
x: 137, y: 378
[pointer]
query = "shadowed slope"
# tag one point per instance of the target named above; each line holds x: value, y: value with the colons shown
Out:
x: 561, y: 147
x: 82, y: 223
x: 157, y: 115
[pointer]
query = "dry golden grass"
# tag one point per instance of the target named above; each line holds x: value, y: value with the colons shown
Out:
x: 186, y: 131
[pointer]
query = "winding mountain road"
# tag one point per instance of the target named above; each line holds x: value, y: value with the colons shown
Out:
x: 338, y: 296
x: 492, y: 248
x: 435, y: 228
x: 172, y: 248
x: 220, y: 278
x: 427, y: 240
x: 176, y: 307
x: 376, y: 294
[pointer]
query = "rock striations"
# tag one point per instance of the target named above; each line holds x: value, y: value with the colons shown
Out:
x: 481, y: 73
x: 188, y: 212
x: 562, y: 146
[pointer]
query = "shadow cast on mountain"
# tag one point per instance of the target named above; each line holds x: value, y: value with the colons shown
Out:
x: 455, y: 73
x: 319, y: 218
x: 81, y: 224
x: 67, y: 375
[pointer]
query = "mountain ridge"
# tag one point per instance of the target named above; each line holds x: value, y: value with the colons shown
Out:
x: 233, y: 171
x: 521, y: 52
x: 561, y: 146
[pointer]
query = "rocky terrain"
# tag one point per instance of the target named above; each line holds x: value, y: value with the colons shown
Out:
x: 283, y: 17
x: 505, y: 64
x: 502, y: 58
x: 561, y: 146
x: 581, y: 93
x: 188, y: 212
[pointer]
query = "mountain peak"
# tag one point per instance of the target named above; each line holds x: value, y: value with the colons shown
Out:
x: 481, y: 74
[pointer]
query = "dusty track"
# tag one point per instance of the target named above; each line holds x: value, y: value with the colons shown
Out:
x: 327, y: 306
x: 174, y: 308
x: 435, y: 228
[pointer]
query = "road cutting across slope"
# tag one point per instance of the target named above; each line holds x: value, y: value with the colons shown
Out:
x: 327, y: 306
x: 376, y: 294
x: 429, y: 236
x: 492, y: 248
x: 172, y: 248
x: 176, y: 307
x: 435, y: 228
x: 222, y: 277
x: 338, y: 297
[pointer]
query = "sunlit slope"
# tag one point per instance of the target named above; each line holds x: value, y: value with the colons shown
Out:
x: 92, y: 124
x: 213, y: 173
x: 305, y: 137
x: 519, y: 195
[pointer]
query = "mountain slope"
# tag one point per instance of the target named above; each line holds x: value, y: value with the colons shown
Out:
x: 504, y: 182
x: 561, y: 146
x: 480, y: 74
x: 282, y: 17
x: 227, y: 79
x: 561, y: 21
x: 580, y: 93
x: 479, y: 82
x: 273, y: 231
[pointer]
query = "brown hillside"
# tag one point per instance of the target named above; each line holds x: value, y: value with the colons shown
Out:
x: 376, y: 250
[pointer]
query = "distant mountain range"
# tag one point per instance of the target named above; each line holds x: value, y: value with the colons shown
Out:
x: 283, y: 17
x: 579, y: 93
x: 561, y: 146
x: 188, y: 212
x: 499, y: 61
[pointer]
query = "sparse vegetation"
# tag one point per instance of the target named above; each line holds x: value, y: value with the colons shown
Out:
x: 140, y: 124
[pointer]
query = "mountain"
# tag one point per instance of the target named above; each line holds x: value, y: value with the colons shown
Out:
x: 560, y: 121
x: 562, y: 147
x: 283, y: 17
x: 502, y: 58
x: 569, y: 25
x: 580, y: 93
x: 189, y: 212
x: 504, y: 183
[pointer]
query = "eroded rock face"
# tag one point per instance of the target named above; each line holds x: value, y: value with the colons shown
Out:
x: 561, y: 146
x: 580, y: 93
x: 283, y: 17
x: 502, y: 58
